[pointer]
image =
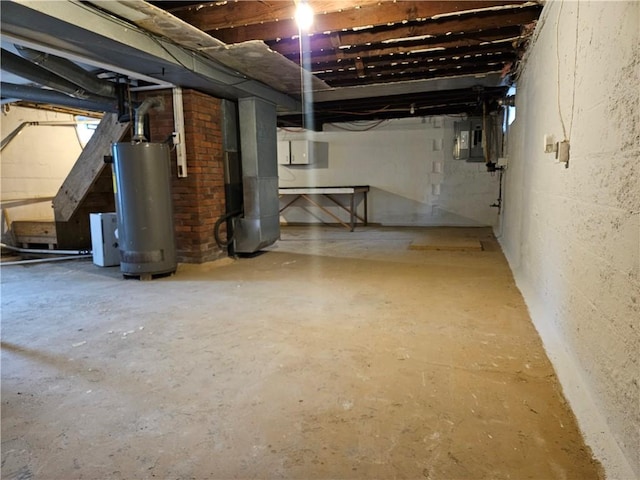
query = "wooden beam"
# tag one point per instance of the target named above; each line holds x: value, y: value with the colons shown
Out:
x: 219, y: 15
x: 412, y: 74
x: 26, y: 232
x: 424, y: 62
x: 360, y: 67
x: 382, y: 14
x: 88, y: 167
x: 509, y: 20
x: 451, y: 43
x: 336, y: 42
x: 424, y: 98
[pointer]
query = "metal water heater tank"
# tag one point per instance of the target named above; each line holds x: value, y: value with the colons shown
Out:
x: 145, y: 214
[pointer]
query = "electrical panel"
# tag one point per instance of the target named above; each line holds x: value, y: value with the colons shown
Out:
x: 469, y: 140
x: 302, y: 152
x: 284, y: 153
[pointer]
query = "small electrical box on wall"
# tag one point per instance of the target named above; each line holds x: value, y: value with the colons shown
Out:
x: 302, y: 152
x: 468, y: 142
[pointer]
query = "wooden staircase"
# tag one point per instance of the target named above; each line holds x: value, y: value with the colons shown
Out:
x: 88, y: 188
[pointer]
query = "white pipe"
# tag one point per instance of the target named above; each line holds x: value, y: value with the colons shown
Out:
x: 43, y: 260
x: 43, y: 251
x: 178, y: 133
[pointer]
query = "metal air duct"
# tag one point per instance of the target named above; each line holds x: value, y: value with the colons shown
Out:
x: 33, y: 94
x: 69, y: 71
x: 259, y: 227
x: 25, y: 69
x: 140, y: 114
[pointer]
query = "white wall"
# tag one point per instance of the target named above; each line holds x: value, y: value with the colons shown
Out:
x: 35, y: 163
x: 404, y: 162
x: 572, y: 235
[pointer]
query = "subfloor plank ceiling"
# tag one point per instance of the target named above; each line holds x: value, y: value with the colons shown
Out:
x: 399, y: 47
x: 359, y: 60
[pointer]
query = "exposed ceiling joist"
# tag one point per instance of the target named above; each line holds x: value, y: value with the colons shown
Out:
x: 350, y: 41
x: 382, y: 13
x: 450, y: 102
x: 357, y: 49
x: 468, y: 26
x: 451, y: 70
x: 426, y: 60
x: 447, y: 46
x: 217, y: 15
x: 81, y: 31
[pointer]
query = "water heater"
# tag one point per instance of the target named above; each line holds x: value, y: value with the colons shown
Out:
x: 145, y: 214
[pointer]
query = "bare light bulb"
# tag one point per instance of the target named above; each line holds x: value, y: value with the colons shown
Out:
x: 304, y: 16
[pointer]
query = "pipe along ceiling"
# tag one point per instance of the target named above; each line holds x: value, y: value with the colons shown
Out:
x: 65, y: 83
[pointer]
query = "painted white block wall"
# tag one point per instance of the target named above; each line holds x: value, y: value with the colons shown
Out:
x: 35, y: 163
x: 572, y: 235
x: 409, y: 166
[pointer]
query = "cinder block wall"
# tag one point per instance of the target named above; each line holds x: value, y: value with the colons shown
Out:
x: 572, y: 235
x: 198, y: 199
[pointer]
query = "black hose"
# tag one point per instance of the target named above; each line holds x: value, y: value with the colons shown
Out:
x: 216, y: 228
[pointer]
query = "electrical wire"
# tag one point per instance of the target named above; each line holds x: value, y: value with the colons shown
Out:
x: 567, y: 135
x: 155, y: 38
x: 386, y: 108
x: 216, y: 229
x: 292, y: 130
x: 371, y: 127
x: 564, y: 128
x: 575, y: 65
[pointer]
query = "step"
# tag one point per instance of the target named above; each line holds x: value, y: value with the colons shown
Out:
x: 28, y: 234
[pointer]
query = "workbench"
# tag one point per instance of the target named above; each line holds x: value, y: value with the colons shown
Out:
x: 353, y: 193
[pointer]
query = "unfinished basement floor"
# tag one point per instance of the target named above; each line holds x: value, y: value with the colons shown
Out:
x: 332, y: 355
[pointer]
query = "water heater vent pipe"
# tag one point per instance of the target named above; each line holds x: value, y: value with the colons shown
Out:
x: 141, y: 112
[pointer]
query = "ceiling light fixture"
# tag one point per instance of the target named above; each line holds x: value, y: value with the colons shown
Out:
x: 304, y: 16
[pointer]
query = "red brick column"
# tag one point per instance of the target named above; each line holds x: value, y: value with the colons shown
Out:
x: 198, y: 199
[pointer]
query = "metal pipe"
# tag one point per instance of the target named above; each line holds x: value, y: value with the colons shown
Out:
x: 141, y: 112
x: 41, y: 251
x: 94, y: 103
x: 49, y: 123
x: 7, y: 140
x: 24, y: 68
x: 69, y: 71
x: 43, y: 260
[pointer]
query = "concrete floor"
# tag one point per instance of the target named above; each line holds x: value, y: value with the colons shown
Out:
x: 332, y: 355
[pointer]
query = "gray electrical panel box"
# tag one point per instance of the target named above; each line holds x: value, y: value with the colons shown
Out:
x: 104, y: 243
x: 469, y: 140
x: 302, y: 152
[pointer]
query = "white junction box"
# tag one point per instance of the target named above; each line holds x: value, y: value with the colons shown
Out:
x: 103, y: 239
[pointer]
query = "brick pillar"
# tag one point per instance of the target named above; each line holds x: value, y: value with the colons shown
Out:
x: 198, y: 199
